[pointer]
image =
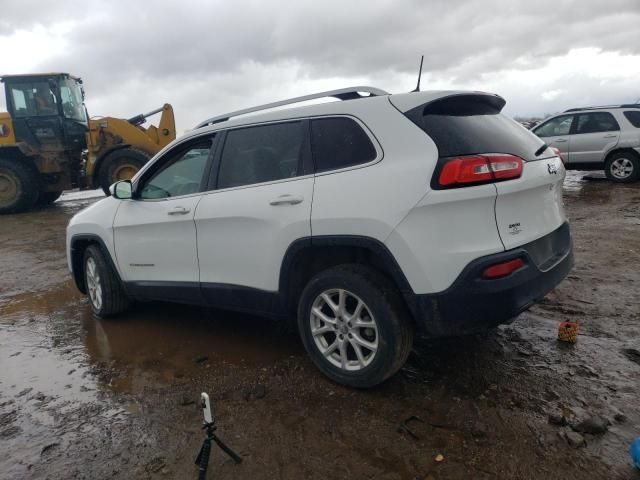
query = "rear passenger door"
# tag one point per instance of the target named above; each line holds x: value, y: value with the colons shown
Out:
x: 262, y: 187
x: 594, y: 134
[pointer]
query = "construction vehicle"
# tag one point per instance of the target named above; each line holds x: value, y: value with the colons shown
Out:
x: 48, y: 143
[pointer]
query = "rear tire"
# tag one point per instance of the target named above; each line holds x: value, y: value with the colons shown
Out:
x: 19, y: 186
x: 46, y: 198
x: 106, y: 296
x: 372, y: 327
x: 622, y: 167
x: 119, y: 165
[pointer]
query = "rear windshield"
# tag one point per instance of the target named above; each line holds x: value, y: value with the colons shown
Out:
x: 471, y: 124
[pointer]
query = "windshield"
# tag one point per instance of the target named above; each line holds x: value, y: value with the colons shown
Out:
x: 72, y: 104
x: 32, y: 99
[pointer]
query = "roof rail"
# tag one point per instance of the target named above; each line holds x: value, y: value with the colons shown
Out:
x: 626, y: 105
x: 349, y: 93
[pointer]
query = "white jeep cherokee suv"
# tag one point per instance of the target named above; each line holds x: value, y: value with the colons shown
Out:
x: 367, y: 219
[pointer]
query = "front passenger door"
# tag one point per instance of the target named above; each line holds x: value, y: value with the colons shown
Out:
x: 556, y: 133
x: 154, y: 233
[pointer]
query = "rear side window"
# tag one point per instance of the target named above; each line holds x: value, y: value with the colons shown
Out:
x: 555, y: 127
x: 339, y: 142
x: 633, y: 117
x: 261, y: 154
x: 473, y: 124
x: 596, y: 122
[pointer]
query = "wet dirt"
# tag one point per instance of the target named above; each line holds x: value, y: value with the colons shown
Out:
x: 87, y: 398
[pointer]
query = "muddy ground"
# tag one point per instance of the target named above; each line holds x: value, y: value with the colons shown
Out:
x: 87, y: 398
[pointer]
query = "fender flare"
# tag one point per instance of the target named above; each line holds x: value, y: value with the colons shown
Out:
x: 76, y: 261
x: 378, y: 249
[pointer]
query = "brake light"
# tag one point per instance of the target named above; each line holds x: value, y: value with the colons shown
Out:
x: 479, y: 169
x: 557, y: 151
x: 503, y: 269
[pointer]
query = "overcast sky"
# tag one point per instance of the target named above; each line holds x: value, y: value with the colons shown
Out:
x: 210, y: 57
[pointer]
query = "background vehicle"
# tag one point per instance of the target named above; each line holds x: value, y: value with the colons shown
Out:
x: 46, y: 131
x: 597, y: 138
x: 432, y: 212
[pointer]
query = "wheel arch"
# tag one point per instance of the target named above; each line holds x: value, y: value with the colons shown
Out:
x: 78, y: 245
x: 308, y: 256
x: 621, y: 150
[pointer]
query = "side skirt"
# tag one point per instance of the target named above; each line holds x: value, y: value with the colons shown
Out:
x: 216, y: 295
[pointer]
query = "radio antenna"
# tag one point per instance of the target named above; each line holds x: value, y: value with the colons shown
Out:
x: 419, y: 75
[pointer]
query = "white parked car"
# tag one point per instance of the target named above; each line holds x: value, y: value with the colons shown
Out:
x: 597, y: 138
x: 367, y: 219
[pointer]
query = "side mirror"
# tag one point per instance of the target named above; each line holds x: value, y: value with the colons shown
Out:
x: 122, y: 190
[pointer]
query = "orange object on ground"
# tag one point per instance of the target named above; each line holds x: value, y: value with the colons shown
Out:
x: 568, y: 332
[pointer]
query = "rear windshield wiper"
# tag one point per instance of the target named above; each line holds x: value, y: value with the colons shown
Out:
x: 541, y: 150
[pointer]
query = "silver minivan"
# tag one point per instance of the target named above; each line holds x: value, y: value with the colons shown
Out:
x: 597, y: 138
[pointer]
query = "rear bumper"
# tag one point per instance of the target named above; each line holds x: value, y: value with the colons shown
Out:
x: 473, y: 304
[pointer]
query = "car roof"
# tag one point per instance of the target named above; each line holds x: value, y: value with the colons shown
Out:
x: 403, y: 102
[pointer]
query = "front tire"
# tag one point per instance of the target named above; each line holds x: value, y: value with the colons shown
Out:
x: 19, y: 186
x: 119, y: 165
x: 106, y: 296
x: 622, y: 167
x: 354, y: 325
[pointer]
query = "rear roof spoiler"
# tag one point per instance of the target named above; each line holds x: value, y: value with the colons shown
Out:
x: 408, y: 101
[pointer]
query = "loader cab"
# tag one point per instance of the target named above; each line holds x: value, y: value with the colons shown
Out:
x: 47, y: 111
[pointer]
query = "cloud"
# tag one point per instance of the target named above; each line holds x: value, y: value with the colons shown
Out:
x: 208, y: 57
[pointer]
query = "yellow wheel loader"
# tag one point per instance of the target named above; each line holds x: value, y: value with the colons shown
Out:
x: 48, y: 143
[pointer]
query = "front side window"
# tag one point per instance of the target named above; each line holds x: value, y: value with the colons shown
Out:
x: 32, y: 99
x: 180, y: 175
x: 72, y: 103
x: 596, y: 122
x: 264, y: 153
x: 555, y: 127
x: 339, y: 142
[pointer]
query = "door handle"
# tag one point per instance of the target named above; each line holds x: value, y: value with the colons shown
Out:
x: 560, y: 140
x: 613, y: 135
x: 178, y: 211
x: 286, y: 200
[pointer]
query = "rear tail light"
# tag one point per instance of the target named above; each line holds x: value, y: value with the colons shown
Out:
x: 474, y: 169
x: 502, y: 269
x: 558, y: 153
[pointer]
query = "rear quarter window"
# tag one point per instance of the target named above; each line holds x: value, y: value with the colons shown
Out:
x: 339, y: 142
x: 633, y: 117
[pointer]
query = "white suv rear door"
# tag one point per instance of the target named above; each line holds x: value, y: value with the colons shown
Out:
x: 154, y: 233
x: 260, y: 203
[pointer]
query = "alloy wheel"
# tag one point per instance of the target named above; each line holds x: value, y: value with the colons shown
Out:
x: 344, y: 330
x: 621, y: 168
x: 94, y: 285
